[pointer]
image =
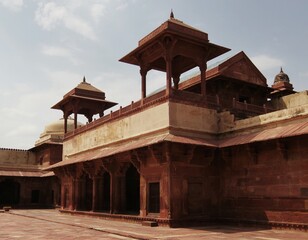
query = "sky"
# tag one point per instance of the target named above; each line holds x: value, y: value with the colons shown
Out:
x: 46, y: 47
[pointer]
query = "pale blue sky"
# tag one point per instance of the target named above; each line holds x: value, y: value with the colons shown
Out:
x: 48, y: 46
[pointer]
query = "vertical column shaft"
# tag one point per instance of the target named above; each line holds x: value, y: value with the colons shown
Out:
x: 63, y: 195
x: 203, y: 77
x: 168, y: 74
x: 94, y: 194
x: 143, y: 84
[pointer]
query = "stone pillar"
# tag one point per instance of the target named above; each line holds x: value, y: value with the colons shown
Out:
x: 63, y: 195
x: 72, y: 195
x: 65, y: 116
x: 95, y: 194
x: 143, y: 72
x: 176, y: 80
x: 169, y: 173
x: 168, y: 74
x: 143, y: 196
x: 202, y: 68
x: 77, y: 194
x: 75, y: 119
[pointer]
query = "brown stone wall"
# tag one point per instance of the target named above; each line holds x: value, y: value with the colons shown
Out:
x: 16, y: 157
x: 31, y: 192
x: 194, y: 182
x: 267, y: 181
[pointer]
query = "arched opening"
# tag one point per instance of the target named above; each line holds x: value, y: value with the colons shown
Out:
x: 9, y: 192
x: 86, y: 193
x: 106, y: 192
x: 132, y: 179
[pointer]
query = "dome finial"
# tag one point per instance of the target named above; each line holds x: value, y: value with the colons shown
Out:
x: 281, y: 77
x: 171, y: 14
x: 84, y: 79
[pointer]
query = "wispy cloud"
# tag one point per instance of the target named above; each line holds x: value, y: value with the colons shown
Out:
x: 266, y: 62
x: 13, y: 5
x: 97, y: 11
x: 56, y: 51
x: 50, y: 15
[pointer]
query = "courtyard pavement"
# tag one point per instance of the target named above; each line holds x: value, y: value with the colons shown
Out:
x: 51, y: 224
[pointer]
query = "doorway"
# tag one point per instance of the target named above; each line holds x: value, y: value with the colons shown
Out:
x: 9, y: 192
x: 132, y: 179
x: 154, y: 197
x: 106, y: 192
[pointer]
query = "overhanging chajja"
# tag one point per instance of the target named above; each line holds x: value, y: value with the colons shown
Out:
x: 134, y: 144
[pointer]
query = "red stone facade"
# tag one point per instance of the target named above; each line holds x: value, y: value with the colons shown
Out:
x: 213, y: 148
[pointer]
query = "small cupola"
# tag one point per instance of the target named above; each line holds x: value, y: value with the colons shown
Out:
x: 84, y: 99
x: 281, y: 77
x: 282, y: 85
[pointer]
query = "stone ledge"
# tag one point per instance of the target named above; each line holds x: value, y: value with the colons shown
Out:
x: 149, y: 223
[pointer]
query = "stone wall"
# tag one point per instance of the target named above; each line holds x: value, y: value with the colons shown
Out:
x: 16, y: 157
x: 271, y: 186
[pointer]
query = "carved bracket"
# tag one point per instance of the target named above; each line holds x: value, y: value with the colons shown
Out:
x: 156, y: 153
x: 109, y: 164
x: 135, y: 160
x: 252, y: 152
x: 89, y: 168
x: 282, y: 149
x: 190, y: 152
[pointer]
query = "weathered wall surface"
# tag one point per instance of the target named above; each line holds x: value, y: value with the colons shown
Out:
x: 187, y: 119
x: 16, y: 157
x: 193, y: 118
x: 294, y: 105
x: 266, y: 182
x: 150, y: 120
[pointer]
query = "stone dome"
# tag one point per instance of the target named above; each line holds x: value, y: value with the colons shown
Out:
x: 281, y: 77
x: 57, y: 127
x: 54, y: 131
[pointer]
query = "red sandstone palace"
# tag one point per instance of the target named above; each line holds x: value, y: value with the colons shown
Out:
x: 221, y: 146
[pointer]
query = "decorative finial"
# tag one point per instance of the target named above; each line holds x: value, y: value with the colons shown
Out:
x: 171, y: 14
x: 84, y: 79
x: 281, y: 70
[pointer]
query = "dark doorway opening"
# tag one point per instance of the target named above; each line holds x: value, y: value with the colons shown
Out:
x: 85, y: 188
x: 9, y: 192
x: 154, y: 198
x: 88, y: 193
x: 106, y: 192
x: 35, y: 196
x: 244, y: 99
x: 132, y: 179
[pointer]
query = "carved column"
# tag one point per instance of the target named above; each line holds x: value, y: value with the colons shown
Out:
x: 202, y: 67
x: 94, y: 194
x: 168, y: 44
x: 63, y: 197
x: 168, y: 74
x: 109, y: 166
x: 72, y: 195
x: 77, y: 194
x: 143, y: 73
x: 176, y: 80
x: 168, y: 160
x: 65, y: 116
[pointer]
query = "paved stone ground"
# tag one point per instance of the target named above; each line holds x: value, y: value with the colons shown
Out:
x: 51, y: 224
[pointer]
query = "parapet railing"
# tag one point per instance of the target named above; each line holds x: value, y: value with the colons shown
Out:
x: 209, y: 101
x: 250, y: 108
